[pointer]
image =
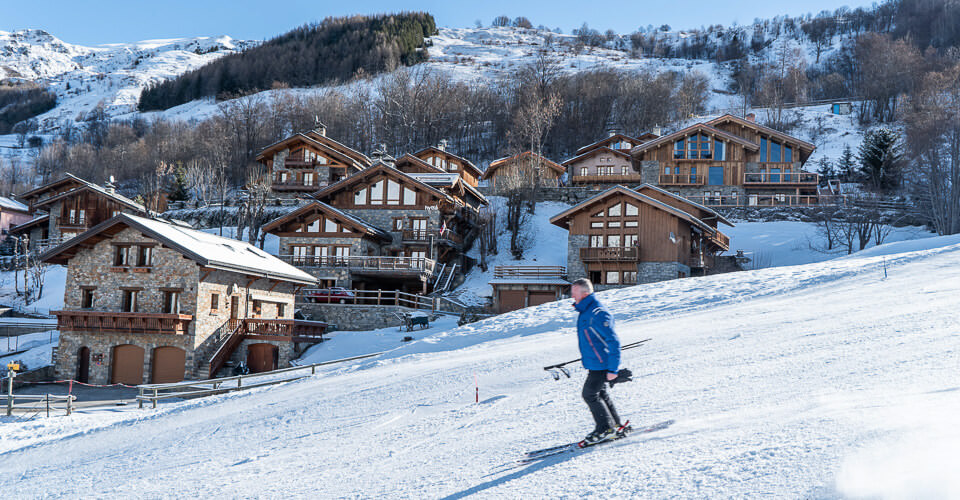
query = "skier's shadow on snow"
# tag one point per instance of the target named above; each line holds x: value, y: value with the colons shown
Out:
x: 529, y: 469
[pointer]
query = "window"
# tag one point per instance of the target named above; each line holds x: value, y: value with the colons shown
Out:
x: 86, y: 298
x: 214, y: 301
x: 329, y: 226
x: 718, y: 151
x: 171, y: 302
x: 145, y: 256
x: 613, y: 224
x: 596, y: 241
x: 787, y: 153
x: 613, y: 240
x: 678, y: 150
x: 631, y: 223
x: 376, y: 193
x: 121, y: 256
x: 393, y: 193
x: 613, y: 278
x: 629, y: 278
x: 308, y: 178
x: 257, y: 308
x: 630, y: 240
x: 614, y: 211
x: 360, y: 197
x: 623, y: 170
x: 398, y: 223
x: 409, y: 196
x: 598, y: 214
x: 280, y: 310
x: 130, y: 301
x: 596, y: 225
x: 763, y: 149
x: 584, y: 171
x: 774, y: 151
x: 715, y: 176
x: 666, y: 170
x: 631, y: 209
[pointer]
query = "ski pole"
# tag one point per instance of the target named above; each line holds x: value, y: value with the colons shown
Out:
x: 560, y: 366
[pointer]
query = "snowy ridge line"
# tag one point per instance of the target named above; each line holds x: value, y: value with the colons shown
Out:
x: 646, y: 302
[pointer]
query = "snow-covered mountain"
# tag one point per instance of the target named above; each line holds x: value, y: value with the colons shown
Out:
x: 113, y: 74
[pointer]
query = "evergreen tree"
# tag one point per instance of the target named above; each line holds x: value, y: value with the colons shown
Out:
x: 179, y: 191
x: 846, y: 164
x: 881, y: 160
x: 826, y: 170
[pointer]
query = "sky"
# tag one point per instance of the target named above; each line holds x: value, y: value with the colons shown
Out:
x: 92, y: 22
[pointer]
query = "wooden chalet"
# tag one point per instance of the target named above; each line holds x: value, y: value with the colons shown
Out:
x: 625, y: 237
x: 730, y: 161
x: 384, y: 228
x: 618, y: 142
x: 308, y: 161
x: 521, y: 169
x: 439, y: 157
x: 516, y: 287
x: 602, y: 165
x: 72, y: 205
x: 152, y: 301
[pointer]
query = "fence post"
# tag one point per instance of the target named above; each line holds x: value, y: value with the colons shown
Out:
x: 10, y: 375
x: 313, y: 369
x: 69, y: 404
x: 140, y: 399
x: 379, y: 292
x: 48, y: 405
x: 239, y: 381
x: 155, y: 398
x: 396, y: 297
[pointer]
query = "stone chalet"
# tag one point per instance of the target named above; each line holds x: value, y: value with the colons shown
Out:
x: 72, y: 206
x: 606, y: 162
x: 308, y: 161
x: 628, y: 236
x: 148, y: 301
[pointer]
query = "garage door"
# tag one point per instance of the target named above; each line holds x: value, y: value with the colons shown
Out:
x: 511, y: 300
x: 127, y: 365
x: 262, y: 357
x: 169, y: 363
x: 537, y: 298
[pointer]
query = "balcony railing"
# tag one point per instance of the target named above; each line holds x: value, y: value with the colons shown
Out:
x: 681, y: 180
x: 720, y: 239
x: 606, y: 178
x: 285, y: 328
x: 299, y: 162
x: 781, y: 178
x: 123, y: 322
x: 770, y: 200
x: 529, y: 272
x: 363, y: 263
x: 72, y: 221
x: 617, y: 254
x: 423, y: 235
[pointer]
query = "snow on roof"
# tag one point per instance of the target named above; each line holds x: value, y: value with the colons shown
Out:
x: 11, y: 204
x: 531, y: 281
x: 447, y: 180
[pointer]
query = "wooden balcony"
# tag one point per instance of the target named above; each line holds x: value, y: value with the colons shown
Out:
x: 299, y: 330
x: 529, y: 272
x: 382, y: 265
x: 424, y: 236
x: 610, y: 254
x: 602, y: 179
x: 781, y: 179
x: 73, y: 222
x: 681, y: 180
x: 299, y: 162
x: 719, y: 239
x: 296, y: 185
x: 123, y: 322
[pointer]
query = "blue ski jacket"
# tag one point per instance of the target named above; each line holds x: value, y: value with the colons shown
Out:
x: 599, y: 344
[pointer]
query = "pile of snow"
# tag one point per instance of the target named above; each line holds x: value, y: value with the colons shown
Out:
x: 34, y: 350
x: 822, y: 380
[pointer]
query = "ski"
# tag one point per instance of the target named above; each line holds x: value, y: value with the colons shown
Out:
x: 622, y: 432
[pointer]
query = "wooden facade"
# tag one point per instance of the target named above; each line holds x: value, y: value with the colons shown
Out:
x: 306, y: 162
x: 521, y: 168
x: 440, y: 158
x: 623, y: 237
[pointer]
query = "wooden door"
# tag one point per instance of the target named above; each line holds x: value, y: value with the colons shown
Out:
x: 537, y: 298
x: 234, y: 307
x: 127, y: 365
x: 262, y: 357
x: 511, y: 300
x: 169, y: 365
x: 83, y: 365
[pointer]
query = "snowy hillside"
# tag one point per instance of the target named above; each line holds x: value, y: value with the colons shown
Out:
x: 823, y: 381
x: 114, y: 74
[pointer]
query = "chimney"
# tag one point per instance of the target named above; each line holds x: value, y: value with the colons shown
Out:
x: 443, y: 145
x: 751, y: 117
x: 611, y: 133
x: 657, y: 131
x: 110, y: 186
x: 319, y: 127
x: 379, y: 155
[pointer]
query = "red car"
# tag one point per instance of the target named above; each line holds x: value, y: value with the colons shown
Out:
x: 328, y: 295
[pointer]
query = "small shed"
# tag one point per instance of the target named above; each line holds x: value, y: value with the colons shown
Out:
x: 516, y: 287
x: 841, y: 108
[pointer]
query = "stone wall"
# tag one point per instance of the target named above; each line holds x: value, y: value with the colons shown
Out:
x: 652, y: 272
x: 101, y: 346
x: 575, y: 267
x: 351, y: 317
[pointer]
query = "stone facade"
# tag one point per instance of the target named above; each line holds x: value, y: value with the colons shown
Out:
x: 355, y: 317
x: 575, y: 267
x: 651, y: 272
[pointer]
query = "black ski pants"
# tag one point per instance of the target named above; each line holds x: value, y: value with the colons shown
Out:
x: 598, y: 400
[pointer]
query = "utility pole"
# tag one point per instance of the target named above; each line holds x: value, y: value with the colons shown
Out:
x: 11, y: 372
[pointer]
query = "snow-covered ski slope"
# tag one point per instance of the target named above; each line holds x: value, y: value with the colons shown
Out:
x: 814, y: 381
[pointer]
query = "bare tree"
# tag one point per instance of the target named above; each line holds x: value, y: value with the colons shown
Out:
x: 251, y: 214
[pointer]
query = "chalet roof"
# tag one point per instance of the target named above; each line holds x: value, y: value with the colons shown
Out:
x: 608, y: 140
x: 407, y: 157
x: 762, y: 128
x: 495, y: 164
x: 381, y: 167
x: 591, y: 152
x: 96, y: 188
x: 698, y: 127
x: 19, y: 228
x: 463, y: 160
x: 323, y: 142
x: 561, y: 218
x: 68, y: 178
x: 681, y: 199
x: 528, y: 281
x: 208, y: 250
x: 449, y: 181
x: 14, y: 205
x: 313, y: 205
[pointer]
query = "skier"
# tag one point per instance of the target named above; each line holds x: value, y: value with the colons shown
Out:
x: 600, y: 350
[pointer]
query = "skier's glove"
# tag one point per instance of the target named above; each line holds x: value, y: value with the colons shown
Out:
x: 624, y: 375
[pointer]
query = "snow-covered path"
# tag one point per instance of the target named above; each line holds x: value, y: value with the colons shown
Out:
x: 805, y: 381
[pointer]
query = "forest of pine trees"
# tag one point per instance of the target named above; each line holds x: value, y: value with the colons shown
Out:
x: 21, y: 102
x: 337, y: 49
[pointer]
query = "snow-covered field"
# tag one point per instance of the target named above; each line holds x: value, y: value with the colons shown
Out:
x: 33, y: 349
x: 824, y: 380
